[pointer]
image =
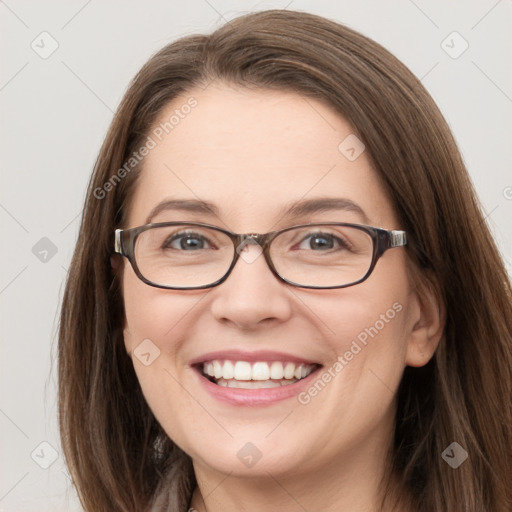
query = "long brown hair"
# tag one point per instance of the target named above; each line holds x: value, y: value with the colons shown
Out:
x: 118, y: 454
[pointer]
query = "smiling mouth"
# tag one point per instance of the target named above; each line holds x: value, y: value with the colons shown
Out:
x: 257, y: 375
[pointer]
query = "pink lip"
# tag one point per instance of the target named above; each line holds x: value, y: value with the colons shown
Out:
x: 255, y: 397
x: 240, y: 355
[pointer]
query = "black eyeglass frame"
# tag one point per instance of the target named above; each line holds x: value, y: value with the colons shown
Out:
x: 383, y: 239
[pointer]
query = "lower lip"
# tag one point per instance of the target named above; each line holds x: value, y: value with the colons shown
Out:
x: 253, y: 397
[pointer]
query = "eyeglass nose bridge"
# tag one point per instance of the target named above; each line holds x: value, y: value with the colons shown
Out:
x: 242, y: 241
x: 262, y: 241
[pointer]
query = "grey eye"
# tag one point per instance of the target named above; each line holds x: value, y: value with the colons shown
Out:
x: 187, y: 242
x: 322, y: 242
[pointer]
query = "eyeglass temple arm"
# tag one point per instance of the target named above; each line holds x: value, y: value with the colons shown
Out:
x: 397, y: 238
x: 118, y: 245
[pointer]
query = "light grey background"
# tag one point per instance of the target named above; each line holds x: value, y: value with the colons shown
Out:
x: 55, y: 113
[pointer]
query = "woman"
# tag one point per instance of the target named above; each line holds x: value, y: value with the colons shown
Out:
x: 284, y: 294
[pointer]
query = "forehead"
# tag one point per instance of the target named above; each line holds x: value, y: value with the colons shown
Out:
x: 252, y: 152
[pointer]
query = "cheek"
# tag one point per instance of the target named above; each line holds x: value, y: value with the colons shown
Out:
x: 360, y: 325
x: 373, y: 322
x: 355, y: 391
x: 153, y: 313
x: 365, y: 329
x: 157, y: 323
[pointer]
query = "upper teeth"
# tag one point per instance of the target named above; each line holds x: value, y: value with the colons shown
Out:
x: 243, y: 370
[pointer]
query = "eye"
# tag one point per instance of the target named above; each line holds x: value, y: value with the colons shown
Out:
x: 187, y: 242
x: 323, y: 242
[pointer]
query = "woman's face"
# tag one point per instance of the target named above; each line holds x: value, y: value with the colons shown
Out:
x: 253, y: 155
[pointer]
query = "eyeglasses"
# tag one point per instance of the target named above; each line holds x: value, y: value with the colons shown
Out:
x: 189, y: 256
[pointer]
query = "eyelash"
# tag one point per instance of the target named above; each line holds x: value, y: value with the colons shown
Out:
x: 183, y: 234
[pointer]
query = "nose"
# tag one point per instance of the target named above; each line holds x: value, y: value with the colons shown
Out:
x: 251, y: 296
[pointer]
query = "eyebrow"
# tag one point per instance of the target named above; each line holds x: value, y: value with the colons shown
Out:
x: 301, y: 208
x: 185, y: 205
x: 324, y: 204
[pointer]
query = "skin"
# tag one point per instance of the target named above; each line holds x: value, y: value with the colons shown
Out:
x: 252, y: 153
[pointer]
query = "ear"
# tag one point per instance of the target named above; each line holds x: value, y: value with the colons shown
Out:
x: 114, y: 263
x: 427, y: 324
